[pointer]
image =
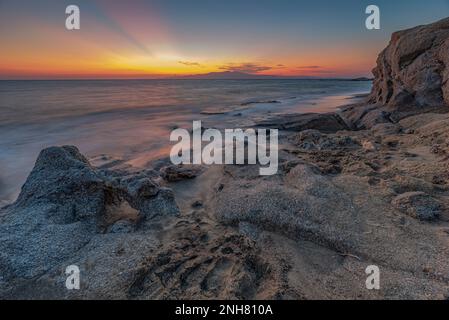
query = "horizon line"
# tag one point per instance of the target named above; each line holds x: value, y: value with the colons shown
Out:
x: 188, y: 78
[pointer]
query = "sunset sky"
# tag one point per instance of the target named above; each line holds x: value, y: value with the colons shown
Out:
x: 167, y: 38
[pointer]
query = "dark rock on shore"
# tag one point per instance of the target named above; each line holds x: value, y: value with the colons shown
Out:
x: 173, y: 173
x: 66, y: 204
x: 327, y: 122
x: 248, y: 103
x: 63, y: 179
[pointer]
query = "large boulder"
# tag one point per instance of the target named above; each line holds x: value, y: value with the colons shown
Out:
x: 413, y: 70
x: 307, y: 206
x: 66, y: 204
x: 63, y: 179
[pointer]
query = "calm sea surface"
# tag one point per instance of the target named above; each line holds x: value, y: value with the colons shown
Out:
x: 132, y: 119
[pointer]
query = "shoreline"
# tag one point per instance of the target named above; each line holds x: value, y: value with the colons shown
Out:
x: 348, y: 189
x: 139, y: 159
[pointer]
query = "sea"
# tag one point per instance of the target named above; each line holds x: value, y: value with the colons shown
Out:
x: 131, y: 120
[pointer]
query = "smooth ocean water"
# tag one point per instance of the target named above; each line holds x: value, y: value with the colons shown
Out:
x: 132, y: 119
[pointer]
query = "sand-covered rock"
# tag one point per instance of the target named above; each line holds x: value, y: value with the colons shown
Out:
x: 315, y: 140
x: 385, y: 129
x: 370, y: 209
x: 306, y: 206
x: 363, y: 116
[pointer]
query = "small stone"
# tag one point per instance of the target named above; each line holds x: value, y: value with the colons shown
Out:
x: 368, y: 146
x: 436, y: 149
x: 197, y: 204
x: 227, y: 250
x: 175, y: 173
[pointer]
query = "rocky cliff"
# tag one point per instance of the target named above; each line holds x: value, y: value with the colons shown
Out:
x: 413, y: 69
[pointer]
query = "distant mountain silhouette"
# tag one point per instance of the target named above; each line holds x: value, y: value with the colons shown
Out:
x: 230, y: 75
x: 235, y: 75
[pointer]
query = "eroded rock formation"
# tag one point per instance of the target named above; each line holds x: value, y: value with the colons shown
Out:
x: 413, y: 69
x: 65, y: 205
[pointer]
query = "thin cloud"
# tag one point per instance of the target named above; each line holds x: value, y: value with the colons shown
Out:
x: 190, y: 63
x: 323, y: 72
x: 309, y: 67
x: 245, y: 67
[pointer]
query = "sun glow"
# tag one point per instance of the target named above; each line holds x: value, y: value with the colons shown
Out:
x: 118, y: 41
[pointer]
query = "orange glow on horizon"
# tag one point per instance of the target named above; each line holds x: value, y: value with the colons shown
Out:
x: 124, y: 46
x: 127, y: 66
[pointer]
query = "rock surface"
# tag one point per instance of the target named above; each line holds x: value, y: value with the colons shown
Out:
x: 307, y: 232
x: 411, y: 77
x: 413, y: 70
x: 66, y: 204
x: 173, y: 173
x: 340, y: 199
x: 326, y: 122
x: 315, y: 140
x: 418, y: 205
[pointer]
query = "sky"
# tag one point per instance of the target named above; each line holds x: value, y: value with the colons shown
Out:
x: 169, y: 38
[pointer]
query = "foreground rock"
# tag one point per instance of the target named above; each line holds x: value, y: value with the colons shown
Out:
x: 67, y: 207
x: 365, y: 196
x: 340, y: 202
